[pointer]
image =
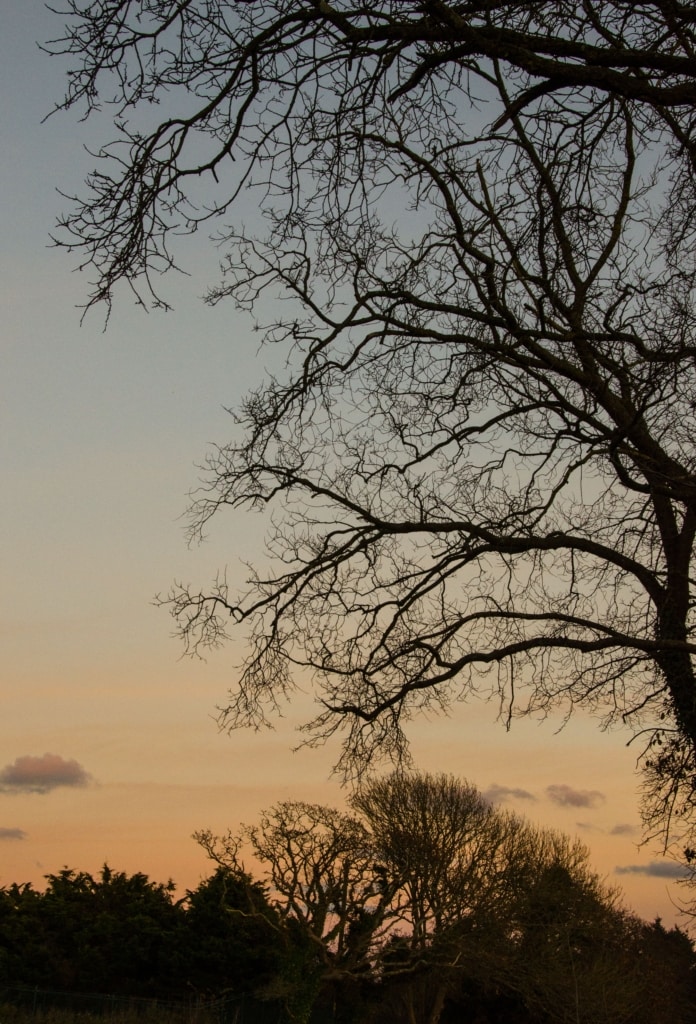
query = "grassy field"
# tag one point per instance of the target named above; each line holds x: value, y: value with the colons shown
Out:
x: 10, y: 1014
x: 33, y: 1006
x: 101, y: 1010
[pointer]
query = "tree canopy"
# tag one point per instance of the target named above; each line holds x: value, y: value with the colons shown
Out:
x: 481, y: 459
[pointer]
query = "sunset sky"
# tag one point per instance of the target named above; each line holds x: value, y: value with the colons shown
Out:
x: 109, y: 748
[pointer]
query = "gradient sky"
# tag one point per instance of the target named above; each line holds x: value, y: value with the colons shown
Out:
x: 109, y: 748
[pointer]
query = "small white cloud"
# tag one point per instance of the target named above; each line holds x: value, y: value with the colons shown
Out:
x: 566, y: 796
x: 41, y: 774
x: 496, y: 794
x: 655, y: 869
x: 623, y: 830
x: 12, y: 833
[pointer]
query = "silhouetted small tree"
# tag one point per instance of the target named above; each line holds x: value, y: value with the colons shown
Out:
x: 229, y: 935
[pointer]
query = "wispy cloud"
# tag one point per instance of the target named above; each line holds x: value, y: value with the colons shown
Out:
x: 655, y: 869
x: 12, y: 833
x: 623, y: 830
x: 496, y: 794
x: 41, y: 774
x: 566, y: 796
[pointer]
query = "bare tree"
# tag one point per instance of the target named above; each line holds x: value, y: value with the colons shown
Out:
x: 482, y: 458
x: 447, y: 852
x: 333, y: 908
x: 453, y: 865
x: 318, y: 865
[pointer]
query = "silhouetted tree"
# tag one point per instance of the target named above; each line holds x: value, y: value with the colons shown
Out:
x: 666, y: 960
x: 573, y: 957
x: 482, y: 456
x: 230, y: 935
x: 445, y: 851
x: 328, y: 898
x: 116, y: 933
x: 22, y: 942
x: 491, y: 904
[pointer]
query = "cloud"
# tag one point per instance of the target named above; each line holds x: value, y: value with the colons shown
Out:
x: 496, y: 794
x: 655, y: 869
x: 12, y: 833
x: 41, y: 774
x: 623, y: 830
x: 566, y: 796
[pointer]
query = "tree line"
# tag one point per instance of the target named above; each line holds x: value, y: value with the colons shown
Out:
x: 421, y: 903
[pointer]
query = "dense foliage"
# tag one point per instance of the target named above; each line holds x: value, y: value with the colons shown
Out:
x: 126, y: 935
